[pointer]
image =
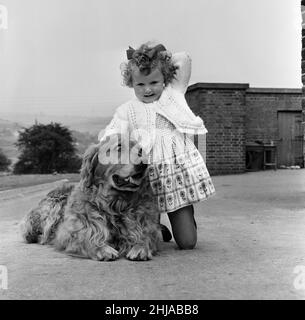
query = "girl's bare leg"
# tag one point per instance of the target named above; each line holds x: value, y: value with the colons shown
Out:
x: 184, y: 227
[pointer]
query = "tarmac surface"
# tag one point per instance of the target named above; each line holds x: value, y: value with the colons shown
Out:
x: 251, y: 245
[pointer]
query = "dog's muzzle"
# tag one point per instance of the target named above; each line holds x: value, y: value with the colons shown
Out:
x: 132, y: 182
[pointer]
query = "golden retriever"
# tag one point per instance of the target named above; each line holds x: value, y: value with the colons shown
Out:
x: 108, y: 214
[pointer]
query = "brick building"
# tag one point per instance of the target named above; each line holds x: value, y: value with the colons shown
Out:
x: 239, y: 117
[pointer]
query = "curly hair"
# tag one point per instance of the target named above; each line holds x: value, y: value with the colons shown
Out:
x: 147, y: 58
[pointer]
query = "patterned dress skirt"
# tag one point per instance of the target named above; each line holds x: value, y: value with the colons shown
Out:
x: 179, y: 177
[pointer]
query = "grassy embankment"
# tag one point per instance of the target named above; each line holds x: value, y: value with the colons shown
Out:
x: 25, y: 180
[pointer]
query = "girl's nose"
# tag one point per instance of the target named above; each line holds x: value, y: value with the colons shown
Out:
x: 147, y: 90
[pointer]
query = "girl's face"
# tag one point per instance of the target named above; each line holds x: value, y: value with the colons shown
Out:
x: 147, y: 88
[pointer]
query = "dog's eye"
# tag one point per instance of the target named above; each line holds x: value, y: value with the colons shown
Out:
x: 140, y: 153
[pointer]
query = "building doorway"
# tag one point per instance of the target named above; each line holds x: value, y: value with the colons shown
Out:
x: 291, y: 136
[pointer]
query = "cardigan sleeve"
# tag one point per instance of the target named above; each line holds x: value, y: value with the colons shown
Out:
x: 184, y: 63
x: 173, y: 106
x: 118, y: 125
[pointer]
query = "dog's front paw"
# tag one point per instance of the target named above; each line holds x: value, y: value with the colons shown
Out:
x: 139, y: 253
x: 105, y: 253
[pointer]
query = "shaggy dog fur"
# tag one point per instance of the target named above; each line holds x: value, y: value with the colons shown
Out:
x: 108, y: 214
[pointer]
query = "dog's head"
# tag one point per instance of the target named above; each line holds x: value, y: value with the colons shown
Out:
x: 115, y: 165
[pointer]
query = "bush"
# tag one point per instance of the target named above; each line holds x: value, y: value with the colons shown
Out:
x: 5, y: 162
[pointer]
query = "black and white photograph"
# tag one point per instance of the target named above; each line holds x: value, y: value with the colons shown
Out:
x: 152, y: 151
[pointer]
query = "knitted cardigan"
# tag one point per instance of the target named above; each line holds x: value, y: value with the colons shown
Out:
x: 139, y: 119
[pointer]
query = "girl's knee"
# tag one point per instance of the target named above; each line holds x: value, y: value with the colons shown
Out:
x: 188, y: 243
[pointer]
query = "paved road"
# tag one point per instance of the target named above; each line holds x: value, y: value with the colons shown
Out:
x: 251, y: 238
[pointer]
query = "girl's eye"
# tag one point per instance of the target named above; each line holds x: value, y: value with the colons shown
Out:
x: 154, y: 82
x: 140, y: 84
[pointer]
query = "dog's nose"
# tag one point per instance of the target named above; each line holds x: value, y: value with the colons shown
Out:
x: 141, y: 167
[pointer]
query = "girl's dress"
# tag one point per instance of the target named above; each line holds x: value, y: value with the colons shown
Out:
x: 164, y: 129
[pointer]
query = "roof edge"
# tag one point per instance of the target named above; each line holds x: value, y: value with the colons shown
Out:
x: 209, y: 85
x: 275, y: 90
x: 241, y: 86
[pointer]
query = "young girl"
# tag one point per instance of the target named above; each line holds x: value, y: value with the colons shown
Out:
x: 161, y: 121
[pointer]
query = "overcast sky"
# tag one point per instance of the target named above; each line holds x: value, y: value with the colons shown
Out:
x: 63, y: 56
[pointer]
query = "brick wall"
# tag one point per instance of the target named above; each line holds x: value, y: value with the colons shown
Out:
x: 235, y: 115
x: 262, y: 106
x: 222, y: 107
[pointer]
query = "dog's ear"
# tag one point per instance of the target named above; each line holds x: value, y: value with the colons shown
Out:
x: 90, y: 161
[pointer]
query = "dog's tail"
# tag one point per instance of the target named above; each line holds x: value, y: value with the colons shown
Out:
x: 41, y: 223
